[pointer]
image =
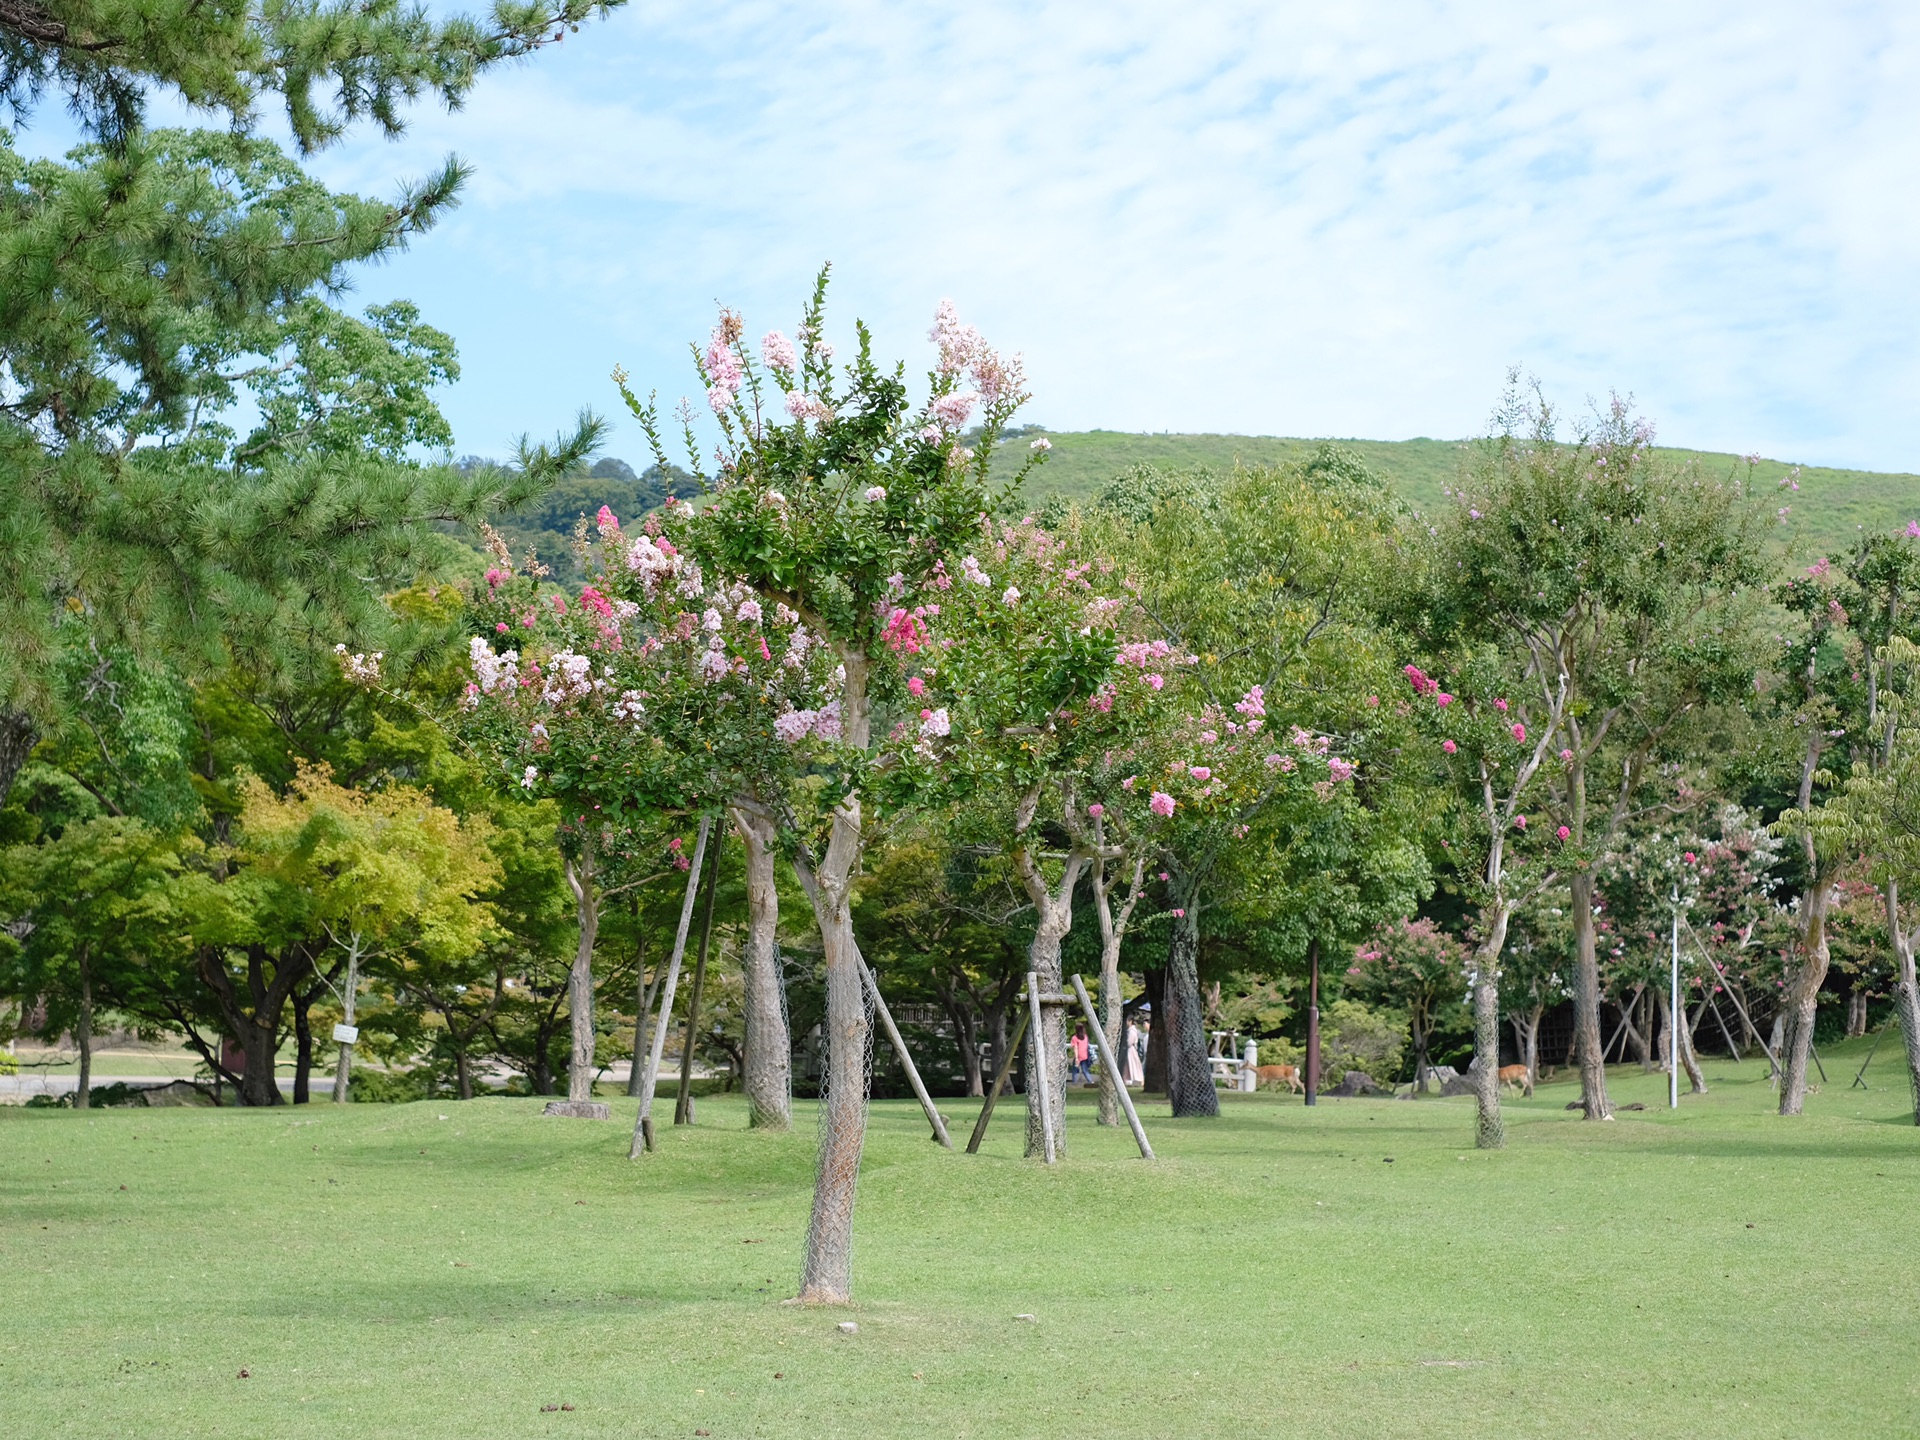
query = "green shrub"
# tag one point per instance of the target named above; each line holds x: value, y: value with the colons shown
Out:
x: 1356, y: 1037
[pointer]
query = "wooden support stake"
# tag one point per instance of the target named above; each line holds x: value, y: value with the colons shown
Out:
x: 1857, y: 1080
x: 906, y: 1060
x: 999, y: 1084
x: 683, y: 1106
x: 643, y: 1124
x: 1037, y: 1076
x: 1099, y: 1038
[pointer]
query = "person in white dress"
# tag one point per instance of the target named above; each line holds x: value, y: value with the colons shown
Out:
x: 1133, y: 1056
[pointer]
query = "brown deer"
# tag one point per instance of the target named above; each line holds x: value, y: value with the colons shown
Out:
x: 1516, y: 1075
x: 1287, y: 1075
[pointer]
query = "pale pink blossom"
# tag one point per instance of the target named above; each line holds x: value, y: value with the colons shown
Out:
x: 778, y: 352
x: 802, y: 406
x: 1209, y: 737
x: 1200, y: 772
x: 1519, y: 732
x: 1096, y: 811
x: 1340, y: 769
x: 935, y: 723
x: 1010, y: 597
x: 953, y: 410
x: 876, y: 494
x: 1161, y: 803
x: 1042, y: 444
x: 1127, y: 784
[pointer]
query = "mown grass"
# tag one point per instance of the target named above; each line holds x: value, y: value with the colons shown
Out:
x: 1356, y: 1269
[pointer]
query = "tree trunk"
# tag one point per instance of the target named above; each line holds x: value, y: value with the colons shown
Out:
x: 1906, y: 991
x: 683, y: 1104
x: 83, y: 1034
x: 257, y: 1083
x: 1189, y: 1076
x: 18, y: 735
x: 302, y: 1047
x: 1154, y: 1067
x: 1055, y: 916
x: 349, y: 1007
x: 463, y: 1073
x: 826, y: 1276
x: 768, y: 1062
x: 1803, y: 993
x: 1418, y: 1020
x: 581, y: 879
x: 1647, y: 1041
x: 1490, y: 1128
x: 1696, y: 1077
x: 1586, y: 1001
x: 1113, y: 931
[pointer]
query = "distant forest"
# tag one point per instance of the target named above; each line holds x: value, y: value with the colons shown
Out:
x: 547, y: 525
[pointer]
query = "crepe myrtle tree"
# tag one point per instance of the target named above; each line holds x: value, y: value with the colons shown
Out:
x: 654, y: 690
x: 839, y: 499
x: 1252, y: 591
x: 1491, y: 752
x: 1026, y: 661
x: 1623, y: 587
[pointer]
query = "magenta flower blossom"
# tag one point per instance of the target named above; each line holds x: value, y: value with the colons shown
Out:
x: 1340, y: 769
x: 605, y: 520
x: 1200, y: 772
x: 1449, y: 746
x: 1689, y: 857
x: 916, y: 687
x: 1566, y: 755
x: 500, y: 628
x: 1519, y: 732
x: 1443, y: 699
x: 1564, y: 833
x: 1373, y: 702
x: 1913, y: 529
x: 1096, y: 811
x: 1501, y: 706
x: 1520, y: 821
x: 1180, y: 914
x: 495, y: 577
x: 1161, y: 803
x: 1156, y: 681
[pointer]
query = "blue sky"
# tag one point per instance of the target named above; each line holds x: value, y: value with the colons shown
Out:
x: 1268, y: 218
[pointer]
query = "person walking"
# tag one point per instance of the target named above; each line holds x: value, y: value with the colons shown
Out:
x: 1135, y: 1054
x: 1082, y: 1067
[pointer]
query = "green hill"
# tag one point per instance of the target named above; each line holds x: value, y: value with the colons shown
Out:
x: 1829, y: 508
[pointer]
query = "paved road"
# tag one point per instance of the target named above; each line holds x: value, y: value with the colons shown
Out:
x: 30, y: 1083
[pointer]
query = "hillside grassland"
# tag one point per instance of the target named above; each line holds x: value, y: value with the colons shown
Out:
x: 1826, y: 512
x: 1356, y: 1269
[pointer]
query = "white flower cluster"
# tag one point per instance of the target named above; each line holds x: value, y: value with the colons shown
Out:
x: 493, y: 672
x: 569, y: 677
x: 360, y: 669
x: 970, y: 570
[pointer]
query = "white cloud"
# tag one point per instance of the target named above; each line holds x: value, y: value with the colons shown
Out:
x: 1265, y: 218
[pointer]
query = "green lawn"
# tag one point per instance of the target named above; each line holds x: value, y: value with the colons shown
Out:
x: 447, y: 1270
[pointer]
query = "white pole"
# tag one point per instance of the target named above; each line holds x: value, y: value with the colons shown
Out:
x: 1673, y: 1013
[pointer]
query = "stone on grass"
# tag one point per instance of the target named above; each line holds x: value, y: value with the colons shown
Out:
x: 577, y: 1110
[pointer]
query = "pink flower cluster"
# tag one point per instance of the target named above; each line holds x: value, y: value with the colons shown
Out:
x: 905, y: 630
x: 724, y: 376
x: 778, y: 352
x: 1161, y: 804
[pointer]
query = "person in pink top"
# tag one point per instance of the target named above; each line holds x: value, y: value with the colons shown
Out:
x: 1082, y: 1057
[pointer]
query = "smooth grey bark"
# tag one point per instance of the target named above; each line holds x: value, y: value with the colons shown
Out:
x: 768, y: 1062
x: 1808, y: 969
x: 1586, y: 1000
x: 826, y: 1276
x: 1490, y: 1128
x: 1053, y: 912
x: 349, y: 1008
x: 1906, y: 989
x: 582, y: 881
x: 1113, y: 930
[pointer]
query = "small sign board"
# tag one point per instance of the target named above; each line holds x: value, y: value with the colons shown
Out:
x: 346, y: 1034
